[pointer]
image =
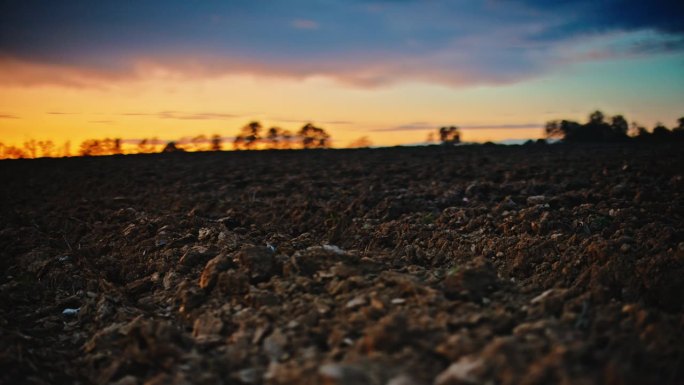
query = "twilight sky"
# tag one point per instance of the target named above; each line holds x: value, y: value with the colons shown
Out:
x: 389, y: 70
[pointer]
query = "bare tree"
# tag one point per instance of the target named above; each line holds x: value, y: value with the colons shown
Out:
x: 449, y: 135
x: 362, y: 142
x: 216, y: 142
x: 249, y: 136
x: 313, y: 137
x: 47, y: 148
x: 31, y: 148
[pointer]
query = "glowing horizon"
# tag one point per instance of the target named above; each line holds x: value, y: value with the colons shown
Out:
x: 499, y: 70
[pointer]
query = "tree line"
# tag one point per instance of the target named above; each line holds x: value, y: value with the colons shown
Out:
x: 598, y: 128
x: 250, y: 137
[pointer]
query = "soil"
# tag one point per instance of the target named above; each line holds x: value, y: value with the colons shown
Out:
x: 533, y: 264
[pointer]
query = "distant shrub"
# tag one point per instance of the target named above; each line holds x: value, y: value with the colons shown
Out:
x: 597, y: 129
x: 449, y: 135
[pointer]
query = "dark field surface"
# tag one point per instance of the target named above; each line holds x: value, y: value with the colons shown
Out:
x: 473, y: 265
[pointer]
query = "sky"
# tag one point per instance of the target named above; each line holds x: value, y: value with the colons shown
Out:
x: 391, y: 71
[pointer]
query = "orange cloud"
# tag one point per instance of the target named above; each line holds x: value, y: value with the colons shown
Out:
x: 18, y: 72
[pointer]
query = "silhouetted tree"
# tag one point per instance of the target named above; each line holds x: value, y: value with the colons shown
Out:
x: 313, y: 137
x: 216, y: 142
x: 595, y: 130
x: 90, y: 147
x: 31, y: 148
x: 66, y: 148
x: 249, y: 136
x: 273, y: 137
x: 147, y: 146
x: 11, y: 152
x: 47, y: 148
x: 619, y: 126
x: 172, y: 147
x: 660, y: 132
x: 198, y: 143
x: 680, y: 125
x: 449, y: 135
x: 362, y: 142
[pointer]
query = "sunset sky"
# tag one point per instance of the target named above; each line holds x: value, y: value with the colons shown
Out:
x: 389, y: 70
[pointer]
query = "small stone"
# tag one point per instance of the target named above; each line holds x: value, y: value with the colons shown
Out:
x: 207, y: 327
x: 194, y: 256
x: 232, y: 282
x: 204, y: 233
x: 536, y: 200
x: 70, y: 312
x: 461, y: 372
x: 259, y: 261
x: 541, y: 297
x: 356, y: 302
x: 402, y: 379
x: 139, y: 286
x: 212, y: 269
x: 169, y: 280
x: 249, y: 375
x: 274, y: 345
x: 398, y: 301
x: 342, y: 374
x: 473, y: 281
x: 333, y: 249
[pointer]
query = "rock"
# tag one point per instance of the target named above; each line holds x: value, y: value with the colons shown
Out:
x: 274, y: 345
x: 195, y: 256
x: 333, y: 249
x: 356, y: 302
x: 536, y: 200
x: 250, y: 375
x: 388, y: 334
x: 462, y: 372
x: 139, y: 286
x: 473, y: 281
x: 191, y: 297
x: 212, y: 269
x: 259, y: 261
x: 258, y: 298
x: 343, y: 374
x: 313, y: 259
x: 169, y: 280
x: 550, y: 301
x: 70, y: 312
x: 233, y: 282
x: 207, y: 328
x: 402, y: 379
x: 204, y: 233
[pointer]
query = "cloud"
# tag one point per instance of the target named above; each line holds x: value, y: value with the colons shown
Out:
x: 8, y: 116
x: 305, y: 24
x: 590, y: 15
x: 82, y: 44
x: 21, y: 72
x: 61, y: 113
x: 184, y: 115
x: 414, y: 126
x: 195, y: 116
x: 302, y: 121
